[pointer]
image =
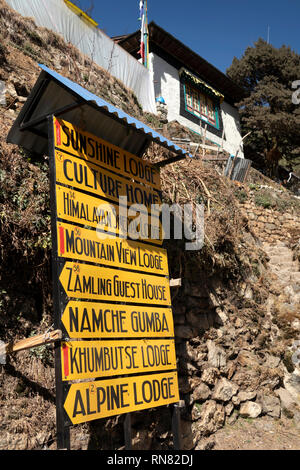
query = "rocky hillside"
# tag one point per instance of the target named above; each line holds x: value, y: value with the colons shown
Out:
x: 236, y: 314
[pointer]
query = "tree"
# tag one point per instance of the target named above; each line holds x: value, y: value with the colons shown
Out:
x: 267, y: 75
x: 87, y: 9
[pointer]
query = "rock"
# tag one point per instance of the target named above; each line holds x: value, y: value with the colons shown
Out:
x: 287, y: 401
x: 201, y: 392
x: 239, y: 323
x: 248, y: 293
x: 11, y: 90
x: 225, y: 390
x: 246, y: 396
x: 232, y: 418
x: 194, y: 354
x: 185, y: 332
x: 213, y: 299
x: 212, y: 418
x: 188, y: 437
x: 142, y: 440
x: 270, y: 405
x: 246, y: 358
x: 247, y: 378
x: 184, y: 385
x: 186, y: 368
x: 250, y: 409
x: 210, y: 375
x: 216, y: 355
x: 206, y: 444
x: 196, y: 411
x: 221, y: 317
x: 296, y: 419
x: 229, y: 408
x: 236, y: 400
x: 272, y: 362
x: 292, y: 384
x: 231, y: 370
x: 197, y: 319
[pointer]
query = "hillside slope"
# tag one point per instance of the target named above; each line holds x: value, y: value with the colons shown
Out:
x: 235, y: 323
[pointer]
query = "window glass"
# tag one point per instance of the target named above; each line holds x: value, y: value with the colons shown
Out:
x: 200, y: 105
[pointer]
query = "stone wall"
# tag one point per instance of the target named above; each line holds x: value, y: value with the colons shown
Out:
x: 272, y: 225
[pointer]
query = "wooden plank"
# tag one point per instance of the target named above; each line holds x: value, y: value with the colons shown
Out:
x: 90, y: 320
x: 175, y: 282
x: 84, y: 281
x: 99, y: 359
x: 98, y: 399
x: 89, y: 177
x: 80, y: 208
x: 71, y: 139
x: 208, y: 147
x: 87, y: 245
x: 32, y: 342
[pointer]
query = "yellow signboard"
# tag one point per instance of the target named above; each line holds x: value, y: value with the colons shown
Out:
x: 84, y: 209
x: 87, y: 401
x: 85, y: 245
x: 84, y: 281
x: 100, y: 320
x: 77, y: 142
x: 88, y: 177
x: 95, y: 359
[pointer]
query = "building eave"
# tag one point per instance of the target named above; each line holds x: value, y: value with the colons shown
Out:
x: 187, y: 58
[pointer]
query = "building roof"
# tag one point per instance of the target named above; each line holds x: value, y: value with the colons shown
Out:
x: 185, y: 57
x: 57, y: 95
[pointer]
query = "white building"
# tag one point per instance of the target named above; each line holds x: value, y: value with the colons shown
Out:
x: 195, y: 93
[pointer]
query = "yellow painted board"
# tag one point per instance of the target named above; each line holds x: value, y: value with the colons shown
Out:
x: 81, y: 13
x: 99, y: 359
x: 83, y: 144
x: 88, y: 177
x: 101, y: 320
x: 75, y: 206
x: 84, y: 281
x: 98, y: 399
x: 83, y: 244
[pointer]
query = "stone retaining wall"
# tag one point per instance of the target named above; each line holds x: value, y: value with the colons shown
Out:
x: 270, y: 225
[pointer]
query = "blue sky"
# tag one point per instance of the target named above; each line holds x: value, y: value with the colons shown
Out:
x: 217, y: 30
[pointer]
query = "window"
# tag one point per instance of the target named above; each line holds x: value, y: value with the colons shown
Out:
x: 200, y: 105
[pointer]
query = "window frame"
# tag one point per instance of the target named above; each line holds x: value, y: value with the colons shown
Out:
x: 189, y: 97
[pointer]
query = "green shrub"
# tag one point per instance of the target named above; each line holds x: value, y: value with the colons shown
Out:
x: 265, y: 200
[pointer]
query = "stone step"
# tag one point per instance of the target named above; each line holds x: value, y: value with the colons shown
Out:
x: 272, y: 253
x: 284, y: 277
x: 280, y: 257
x: 268, y: 247
x: 291, y: 265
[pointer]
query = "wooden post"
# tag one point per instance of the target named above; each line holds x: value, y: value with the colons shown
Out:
x: 62, y: 429
x: 127, y: 432
x: 222, y: 143
x: 176, y: 425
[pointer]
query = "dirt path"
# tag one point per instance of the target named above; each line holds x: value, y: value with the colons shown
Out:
x: 260, y: 434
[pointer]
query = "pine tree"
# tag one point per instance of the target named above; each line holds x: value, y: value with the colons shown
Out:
x: 267, y: 74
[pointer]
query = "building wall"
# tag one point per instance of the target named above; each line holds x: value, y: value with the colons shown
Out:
x: 167, y: 84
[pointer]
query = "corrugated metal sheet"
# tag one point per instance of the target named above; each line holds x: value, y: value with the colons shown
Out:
x: 53, y: 91
x: 236, y: 168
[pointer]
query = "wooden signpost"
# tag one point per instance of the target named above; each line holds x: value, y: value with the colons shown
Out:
x: 111, y: 294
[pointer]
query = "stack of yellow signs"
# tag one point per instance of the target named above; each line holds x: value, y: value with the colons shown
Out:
x: 118, y: 316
